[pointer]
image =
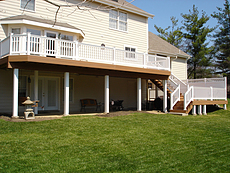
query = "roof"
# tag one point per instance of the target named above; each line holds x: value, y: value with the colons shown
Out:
x: 158, y: 45
x: 44, y: 22
x: 127, y: 6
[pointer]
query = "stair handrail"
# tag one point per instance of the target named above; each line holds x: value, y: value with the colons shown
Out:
x: 175, y: 85
x: 188, y: 97
x: 183, y: 85
x: 176, y: 94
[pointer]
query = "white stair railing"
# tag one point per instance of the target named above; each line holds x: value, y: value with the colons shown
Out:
x: 183, y: 85
x: 175, y: 97
x: 188, y: 97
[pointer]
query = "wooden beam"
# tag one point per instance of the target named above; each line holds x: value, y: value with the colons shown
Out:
x: 32, y: 62
x: 76, y: 63
x: 209, y: 102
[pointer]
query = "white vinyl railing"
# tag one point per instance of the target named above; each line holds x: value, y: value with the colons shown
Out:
x: 27, y: 44
x: 183, y: 86
x: 208, y: 82
x: 188, y: 97
x: 208, y: 93
x: 175, y: 97
x: 199, y: 89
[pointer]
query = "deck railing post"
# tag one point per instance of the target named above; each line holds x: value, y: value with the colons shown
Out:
x: 211, y: 89
x: 76, y: 50
x: 11, y: 44
x: 185, y: 98
x: 28, y: 43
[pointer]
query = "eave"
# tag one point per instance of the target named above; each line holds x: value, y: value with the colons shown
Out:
x: 125, y: 8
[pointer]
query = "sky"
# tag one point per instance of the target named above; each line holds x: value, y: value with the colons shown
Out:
x: 164, y: 9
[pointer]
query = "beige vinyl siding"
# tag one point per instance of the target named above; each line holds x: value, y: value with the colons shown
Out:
x: 95, y: 24
x: 179, y: 67
x: 6, y: 91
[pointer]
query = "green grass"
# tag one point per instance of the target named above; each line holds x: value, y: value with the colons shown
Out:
x: 133, y: 143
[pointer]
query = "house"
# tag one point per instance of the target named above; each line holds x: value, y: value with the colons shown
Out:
x: 99, y: 49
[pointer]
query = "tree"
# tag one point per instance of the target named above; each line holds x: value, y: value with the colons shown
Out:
x: 222, y: 41
x: 174, y: 36
x: 196, y: 34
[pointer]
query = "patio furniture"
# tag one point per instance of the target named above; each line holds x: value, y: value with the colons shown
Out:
x: 89, y: 103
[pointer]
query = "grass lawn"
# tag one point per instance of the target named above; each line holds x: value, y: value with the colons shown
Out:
x: 134, y: 143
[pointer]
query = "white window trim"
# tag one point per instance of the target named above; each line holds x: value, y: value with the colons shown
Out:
x: 23, y: 9
x: 135, y: 59
x: 118, y: 22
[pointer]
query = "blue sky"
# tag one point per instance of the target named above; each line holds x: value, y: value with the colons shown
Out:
x: 164, y: 9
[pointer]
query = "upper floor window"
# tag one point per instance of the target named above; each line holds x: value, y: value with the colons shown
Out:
x: 118, y: 20
x: 28, y: 5
x: 34, y: 31
x: 65, y: 37
x: 16, y: 30
x: 130, y: 52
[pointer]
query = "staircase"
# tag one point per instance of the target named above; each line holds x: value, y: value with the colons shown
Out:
x: 179, y: 106
x: 159, y: 85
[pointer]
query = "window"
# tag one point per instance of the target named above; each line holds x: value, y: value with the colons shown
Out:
x: 130, y: 52
x: 118, y: 20
x: 34, y: 31
x: 70, y: 90
x: 65, y: 37
x: 28, y: 5
x: 22, y: 86
x: 16, y: 30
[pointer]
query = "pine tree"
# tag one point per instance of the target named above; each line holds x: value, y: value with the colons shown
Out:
x: 174, y: 36
x: 196, y: 34
x: 222, y: 41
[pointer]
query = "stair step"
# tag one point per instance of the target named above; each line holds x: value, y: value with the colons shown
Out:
x: 178, y: 110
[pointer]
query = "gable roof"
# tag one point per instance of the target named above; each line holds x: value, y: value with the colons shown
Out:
x: 124, y: 5
x: 159, y: 46
x: 41, y: 22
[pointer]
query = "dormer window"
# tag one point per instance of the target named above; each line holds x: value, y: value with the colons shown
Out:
x: 118, y: 20
x: 28, y: 5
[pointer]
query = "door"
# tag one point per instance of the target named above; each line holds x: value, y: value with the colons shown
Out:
x: 48, y: 94
x: 51, y: 43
